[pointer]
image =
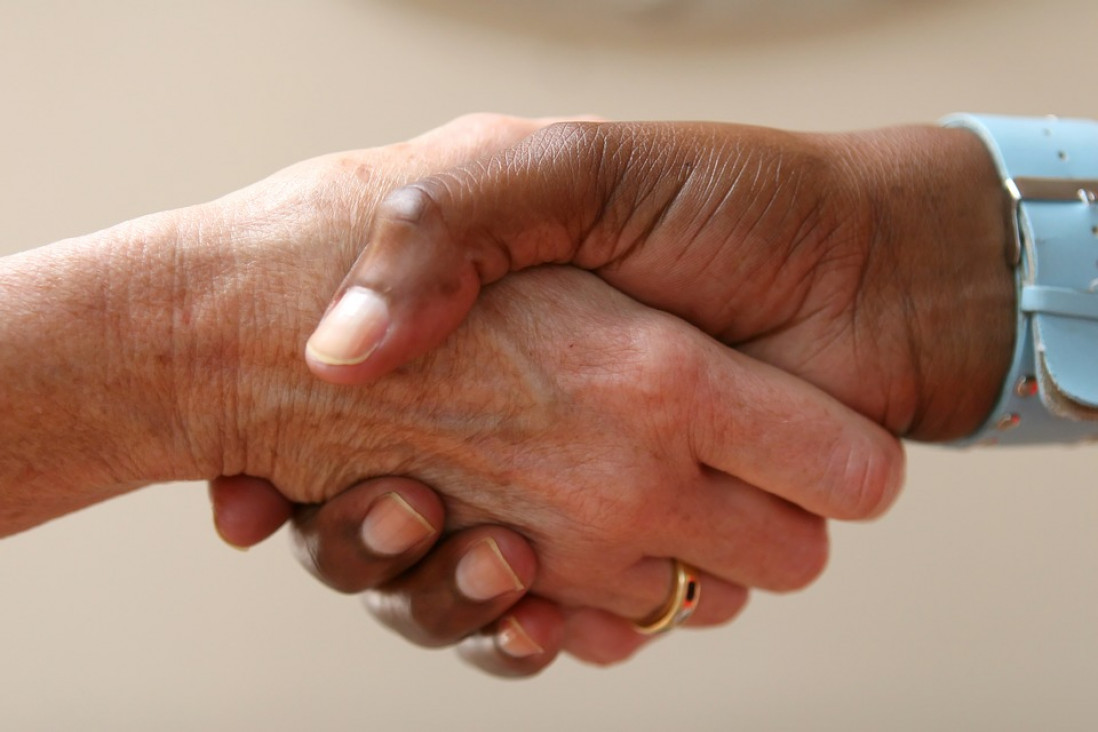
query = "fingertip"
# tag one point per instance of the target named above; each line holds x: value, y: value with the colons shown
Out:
x: 495, y: 565
x: 351, y: 330
x: 247, y: 510
x: 466, y: 583
x: 532, y: 630
x: 346, y: 374
x: 393, y: 526
x: 804, y: 446
x: 522, y: 643
x: 411, y: 287
x: 892, y: 464
x: 600, y: 638
x: 871, y: 478
x: 516, y: 641
x: 369, y: 533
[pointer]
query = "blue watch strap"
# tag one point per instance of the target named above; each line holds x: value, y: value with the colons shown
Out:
x: 1049, y: 168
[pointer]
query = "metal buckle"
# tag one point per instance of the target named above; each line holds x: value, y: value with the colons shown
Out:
x: 1064, y: 190
x: 1031, y: 188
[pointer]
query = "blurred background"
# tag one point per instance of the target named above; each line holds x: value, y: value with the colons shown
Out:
x: 969, y: 607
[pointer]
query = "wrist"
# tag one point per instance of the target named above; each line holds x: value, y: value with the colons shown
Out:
x: 1049, y: 168
x: 159, y: 342
x: 938, y: 243
x: 87, y: 369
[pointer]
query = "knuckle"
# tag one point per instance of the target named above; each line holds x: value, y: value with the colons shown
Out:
x: 328, y: 555
x: 656, y: 375
x: 307, y: 551
x: 328, y: 572
x: 413, y: 204
x: 478, y: 120
x: 306, y: 193
x: 666, y: 358
x: 486, y: 122
x: 572, y: 137
x: 432, y: 629
x: 331, y: 173
x: 392, y: 610
x: 414, y: 617
x: 583, y: 151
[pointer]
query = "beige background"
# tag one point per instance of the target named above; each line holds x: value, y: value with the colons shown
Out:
x: 971, y: 606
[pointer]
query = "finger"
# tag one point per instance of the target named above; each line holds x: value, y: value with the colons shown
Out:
x: 642, y: 589
x: 247, y: 510
x: 434, y: 243
x: 369, y: 533
x: 744, y: 536
x: 602, y: 638
x: 530, y: 636
x: 718, y: 604
x: 467, y: 582
x: 718, y: 601
x: 782, y: 434
x: 521, y: 643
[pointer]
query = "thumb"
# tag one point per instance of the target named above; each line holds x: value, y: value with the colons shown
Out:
x: 433, y: 245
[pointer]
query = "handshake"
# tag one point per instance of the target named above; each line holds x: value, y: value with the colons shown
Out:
x: 716, y: 338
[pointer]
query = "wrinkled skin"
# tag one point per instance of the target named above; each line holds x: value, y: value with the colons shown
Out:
x: 564, y: 409
x: 869, y: 264
x: 168, y: 348
x: 626, y: 360
x: 575, y: 430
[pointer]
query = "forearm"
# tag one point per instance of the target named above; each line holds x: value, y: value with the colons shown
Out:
x: 168, y: 348
x: 87, y: 372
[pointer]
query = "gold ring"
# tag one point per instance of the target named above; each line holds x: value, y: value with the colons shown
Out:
x: 680, y: 606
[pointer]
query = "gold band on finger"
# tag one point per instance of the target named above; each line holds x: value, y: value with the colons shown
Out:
x: 680, y: 605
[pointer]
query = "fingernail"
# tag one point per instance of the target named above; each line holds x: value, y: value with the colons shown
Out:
x: 392, y: 526
x: 513, y: 639
x: 483, y: 573
x: 351, y: 330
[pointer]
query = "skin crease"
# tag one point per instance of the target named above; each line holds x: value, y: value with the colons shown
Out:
x: 829, y: 230
x: 86, y: 298
x: 564, y: 410
x: 869, y: 264
x: 542, y: 435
